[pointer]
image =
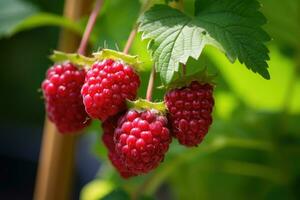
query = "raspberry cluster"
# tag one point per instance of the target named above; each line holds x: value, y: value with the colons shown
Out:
x: 137, y: 138
x: 107, y: 85
x: 190, y: 111
x: 63, y: 100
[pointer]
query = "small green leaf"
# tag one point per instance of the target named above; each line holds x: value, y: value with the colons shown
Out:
x: 143, y: 104
x: 116, y: 55
x: 96, y: 189
x: 74, y: 58
x: 200, y: 76
x: 233, y: 26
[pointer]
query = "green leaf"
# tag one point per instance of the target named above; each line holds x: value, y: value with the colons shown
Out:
x: 175, y: 38
x: 46, y: 19
x: 12, y: 12
x: 74, y: 58
x: 96, y: 189
x: 236, y: 25
x: 17, y: 16
x: 200, y: 76
x: 233, y: 26
x: 143, y: 104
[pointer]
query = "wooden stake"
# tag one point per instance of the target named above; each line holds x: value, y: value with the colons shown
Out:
x: 56, y: 163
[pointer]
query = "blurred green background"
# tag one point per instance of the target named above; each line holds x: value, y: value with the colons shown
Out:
x: 251, y: 152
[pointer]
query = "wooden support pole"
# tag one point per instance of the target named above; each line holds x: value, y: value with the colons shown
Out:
x: 56, y: 163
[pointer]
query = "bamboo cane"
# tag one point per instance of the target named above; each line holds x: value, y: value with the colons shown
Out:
x: 56, y: 163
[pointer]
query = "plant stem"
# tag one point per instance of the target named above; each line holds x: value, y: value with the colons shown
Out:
x: 150, y: 84
x: 135, y: 28
x: 130, y: 40
x: 89, y: 27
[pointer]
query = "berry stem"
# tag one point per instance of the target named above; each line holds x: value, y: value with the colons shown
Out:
x: 130, y: 40
x: 133, y: 32
x: 150, y: 84
x: 89, y: 27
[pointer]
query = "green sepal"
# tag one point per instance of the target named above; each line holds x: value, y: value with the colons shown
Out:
x: 143, y: 104
x: 74, y: 58
x: 116, y: 55
x: 182, y: 81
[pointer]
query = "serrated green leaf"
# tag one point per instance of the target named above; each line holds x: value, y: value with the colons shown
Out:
x: 175, y: 39
x: 233, y: 26
x: 236, y: 25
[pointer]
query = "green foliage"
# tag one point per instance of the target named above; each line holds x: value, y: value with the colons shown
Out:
x: 18, y: 15
x: 283, y: 29
x: 96, y: 190
x: 117, y: 194
x: 269, y: 95
x: 46, y: 19
x: 12, y: 12
x: 231, y: 26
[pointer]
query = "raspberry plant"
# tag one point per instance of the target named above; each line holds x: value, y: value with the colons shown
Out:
x: 138, y: 142
x: 137, y: 134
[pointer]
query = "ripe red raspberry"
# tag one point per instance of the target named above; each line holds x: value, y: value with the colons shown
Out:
x: 108, y: 127
x: 63, y: 100
x: 107, y: 85
x: 142, y: 139
x: 190, y: 111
